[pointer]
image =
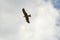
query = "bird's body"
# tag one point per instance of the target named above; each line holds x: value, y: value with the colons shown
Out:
x: 26, y: 16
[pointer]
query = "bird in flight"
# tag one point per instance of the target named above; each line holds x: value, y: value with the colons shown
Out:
x: 26, y: 15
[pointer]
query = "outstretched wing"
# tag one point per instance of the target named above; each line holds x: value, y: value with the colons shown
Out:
x: 27, y: 19
x: 26, y: 16
x: 24, y: 12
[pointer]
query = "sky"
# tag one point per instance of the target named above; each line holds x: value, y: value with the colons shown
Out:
x: 56, y: 4
x: 44, y: 20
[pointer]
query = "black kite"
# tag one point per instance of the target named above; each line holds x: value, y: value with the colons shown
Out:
x: 26, y: 15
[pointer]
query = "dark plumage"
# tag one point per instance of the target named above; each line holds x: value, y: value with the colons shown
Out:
x: 26, y: 16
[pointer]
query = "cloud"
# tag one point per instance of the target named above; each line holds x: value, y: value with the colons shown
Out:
x: 42, y: 26
x: 14, y: 27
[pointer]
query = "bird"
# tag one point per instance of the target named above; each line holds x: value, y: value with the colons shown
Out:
x: 26, y: 15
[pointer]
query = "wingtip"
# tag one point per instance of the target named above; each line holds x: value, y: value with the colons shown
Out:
x: 28, y: 22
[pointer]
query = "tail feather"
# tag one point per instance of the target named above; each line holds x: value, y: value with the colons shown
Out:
x: 29, y: 15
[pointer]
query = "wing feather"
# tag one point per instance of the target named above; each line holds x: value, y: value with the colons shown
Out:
x: 24, y: 12
x: 27, y: 20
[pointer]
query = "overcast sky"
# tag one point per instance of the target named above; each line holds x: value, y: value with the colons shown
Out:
x: 43, y: 20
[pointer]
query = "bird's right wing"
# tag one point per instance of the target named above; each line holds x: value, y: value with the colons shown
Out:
x: 27, y: 20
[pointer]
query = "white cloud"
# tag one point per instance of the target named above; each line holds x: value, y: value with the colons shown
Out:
x: 14, y: 26
x: 42, y: 27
